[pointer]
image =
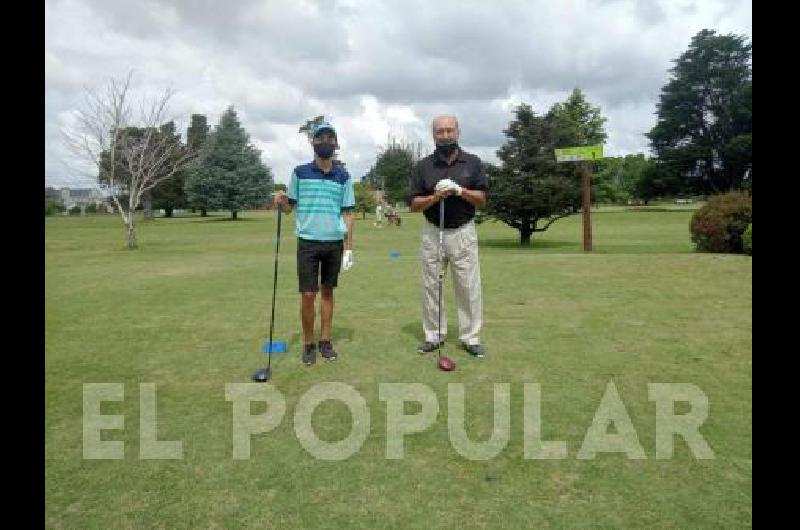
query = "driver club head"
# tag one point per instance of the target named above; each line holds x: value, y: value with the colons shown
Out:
x: 263, y: 375
x: 446, y: 364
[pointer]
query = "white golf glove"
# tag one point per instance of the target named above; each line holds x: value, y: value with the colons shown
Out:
x: 347, y: 260
x: 448, y: 184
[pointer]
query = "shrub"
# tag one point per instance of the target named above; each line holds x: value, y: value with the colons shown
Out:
x: 747, y: 240
x: 718, y: 226
x: 52, y: 207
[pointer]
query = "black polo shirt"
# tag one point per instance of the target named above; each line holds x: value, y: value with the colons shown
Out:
x: 466, y: 171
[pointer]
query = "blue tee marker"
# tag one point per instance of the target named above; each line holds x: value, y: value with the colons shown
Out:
x: 278, y: 346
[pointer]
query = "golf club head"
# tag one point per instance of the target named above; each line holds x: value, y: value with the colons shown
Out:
x: 262, y: 376
x: 276, y: 346
x: 446, y: 364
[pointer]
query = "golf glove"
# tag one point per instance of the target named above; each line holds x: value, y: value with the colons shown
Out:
x: 347, y: 260
x: 448, y: 184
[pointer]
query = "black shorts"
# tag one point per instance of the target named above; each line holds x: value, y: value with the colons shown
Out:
x: 318, y: 263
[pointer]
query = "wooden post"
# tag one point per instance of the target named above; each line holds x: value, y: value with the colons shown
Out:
x: 586, y: 195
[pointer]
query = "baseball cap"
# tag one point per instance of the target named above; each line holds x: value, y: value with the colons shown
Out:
x: 322, y: 127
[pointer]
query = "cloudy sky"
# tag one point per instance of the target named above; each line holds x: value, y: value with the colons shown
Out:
x: 374, y: 68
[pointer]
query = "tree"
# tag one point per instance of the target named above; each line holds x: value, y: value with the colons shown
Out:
x: 365, y: 198
x: 197, y: 189
x: 164, y: 194
x: 616, y: 178
x: 127, y: 165
x: 392, y: 170
x: 169, y: 194
x: 529, y: 187
x: 53, y: 203
x: 657, y: 179
x: 238, y: 178
x: 704, y: 127
x: 53, y: 206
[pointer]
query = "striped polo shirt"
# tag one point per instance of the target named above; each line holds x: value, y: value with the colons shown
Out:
x: 319, y: 200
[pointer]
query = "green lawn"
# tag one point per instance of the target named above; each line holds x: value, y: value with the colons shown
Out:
x: 188, y: 311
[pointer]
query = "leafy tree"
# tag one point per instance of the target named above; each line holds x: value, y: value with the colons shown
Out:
x: 704, y: 128
x: 529, y: 187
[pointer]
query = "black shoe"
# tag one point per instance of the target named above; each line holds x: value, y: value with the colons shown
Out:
x: 309, y: 354
x: 327, y: 351
x: 476, y: 350
x: 428, y: 347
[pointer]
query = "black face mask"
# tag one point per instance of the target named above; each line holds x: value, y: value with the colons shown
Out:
x: 446, y: 150
x: 324, y: 151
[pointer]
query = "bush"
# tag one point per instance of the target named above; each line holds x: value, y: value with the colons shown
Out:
x: 75, y: 210
x: 91, y: 208
x: 52, y: 207
x: 718, y: 226
x: 747, y: 240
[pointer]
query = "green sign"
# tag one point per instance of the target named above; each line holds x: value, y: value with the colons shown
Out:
x: 576, y: 154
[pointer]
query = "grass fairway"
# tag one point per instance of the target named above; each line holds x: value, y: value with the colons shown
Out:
x: 188, y: 312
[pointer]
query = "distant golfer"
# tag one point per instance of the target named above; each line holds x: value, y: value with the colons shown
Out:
x: 458, y: 178
x: 322, y: 193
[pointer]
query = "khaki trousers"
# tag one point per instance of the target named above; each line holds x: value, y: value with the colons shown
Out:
x: 461, y: 254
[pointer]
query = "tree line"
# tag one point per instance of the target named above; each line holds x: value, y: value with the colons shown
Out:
x: 701, y: 144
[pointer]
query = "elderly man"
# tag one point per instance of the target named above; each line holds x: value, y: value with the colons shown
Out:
x: 458, y: 178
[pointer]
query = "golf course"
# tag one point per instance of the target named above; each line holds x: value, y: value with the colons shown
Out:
x: 188, y: 311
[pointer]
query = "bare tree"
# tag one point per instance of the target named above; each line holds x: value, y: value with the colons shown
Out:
x: 127, y: 165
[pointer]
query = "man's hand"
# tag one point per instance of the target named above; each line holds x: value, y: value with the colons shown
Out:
x: 280, y: 199
x: 441, y: 194
x: 449, y: 186
x: 347, y: 260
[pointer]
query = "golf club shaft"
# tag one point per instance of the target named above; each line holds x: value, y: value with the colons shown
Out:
x: 274, y: 287
x: 441, y: 273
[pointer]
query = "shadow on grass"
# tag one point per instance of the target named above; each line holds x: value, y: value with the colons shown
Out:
x: 659, y: 209
x: 229, y: 218
x: 220, y: 219
x: 208, y: 218
x: 577, y: 247
x: 535, y: 244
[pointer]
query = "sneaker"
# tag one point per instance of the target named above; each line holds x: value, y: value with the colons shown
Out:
x: 428, y: 347
x: 476, y: 350
x: 309, y: 354
x: 327, y: 351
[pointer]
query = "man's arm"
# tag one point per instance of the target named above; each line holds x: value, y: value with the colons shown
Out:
x: 423, y: 202
x: 477, y: 198
x: 420, y: 200
x: 347, y: 215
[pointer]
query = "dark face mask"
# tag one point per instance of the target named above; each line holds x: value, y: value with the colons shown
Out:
x: 324, y: 151
x: 446, y: 149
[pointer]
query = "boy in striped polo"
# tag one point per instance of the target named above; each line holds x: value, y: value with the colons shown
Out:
x: 322, y: 193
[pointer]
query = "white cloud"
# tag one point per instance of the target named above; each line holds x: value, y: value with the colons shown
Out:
x: 376, y: 69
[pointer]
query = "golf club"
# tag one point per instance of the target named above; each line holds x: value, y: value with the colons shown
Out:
x: 445, y: 363
x: 265, y: 374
